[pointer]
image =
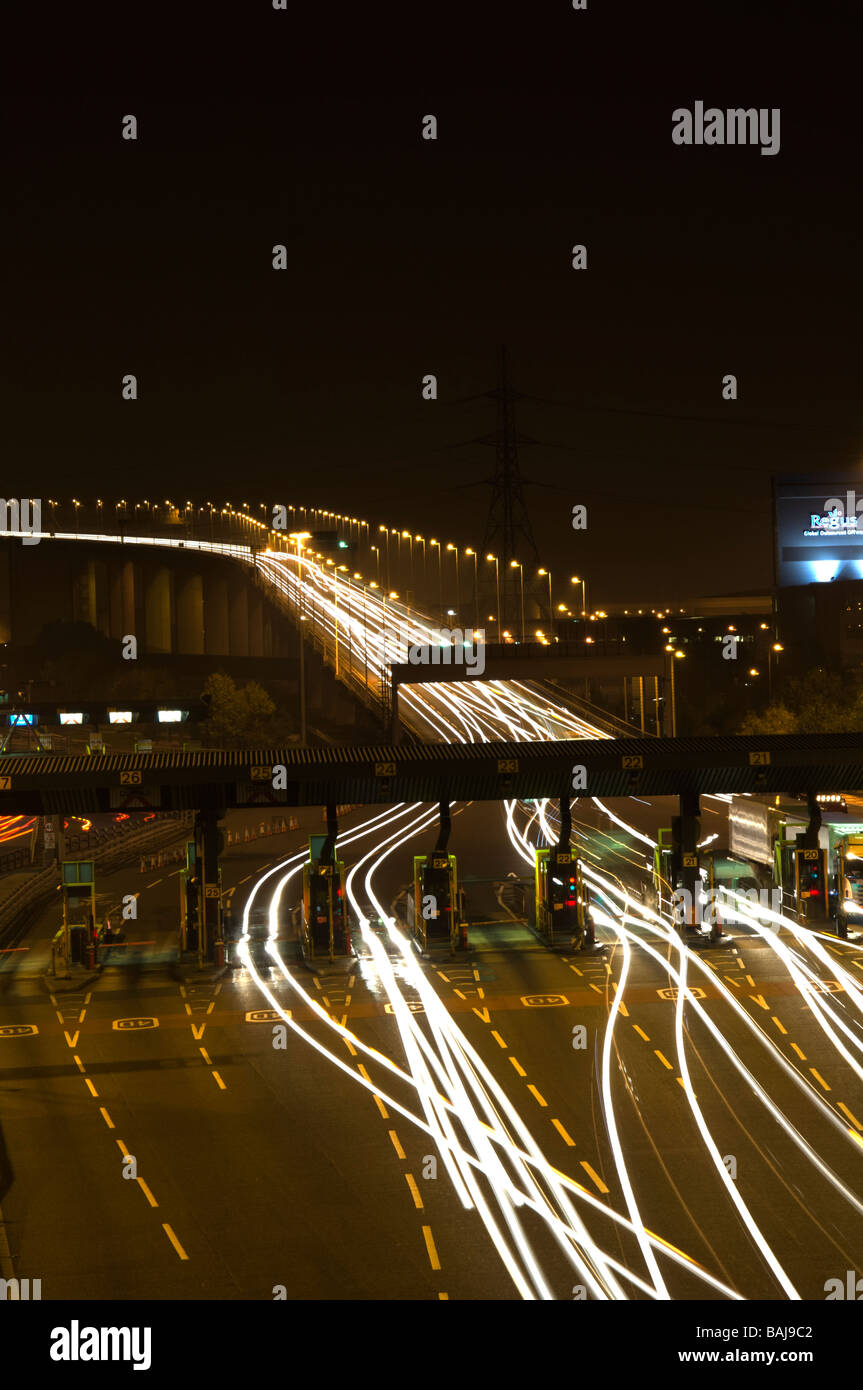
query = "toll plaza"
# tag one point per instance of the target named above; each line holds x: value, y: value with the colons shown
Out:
x: 325, y: 932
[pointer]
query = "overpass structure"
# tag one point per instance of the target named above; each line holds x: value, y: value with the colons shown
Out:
x: 215, y: 781
x: 532, y: 661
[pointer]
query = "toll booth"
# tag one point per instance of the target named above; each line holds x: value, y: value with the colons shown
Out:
x: 326, y: 931
x: 436, y: 902
x: 189, y: 893
x: 78, y: 931
x: 849, y: 883
x: 662, y: 870
x: 562, y: 905
x: 811, y: 886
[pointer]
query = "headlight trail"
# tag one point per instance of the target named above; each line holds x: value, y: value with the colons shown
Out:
x: 449, y: 1079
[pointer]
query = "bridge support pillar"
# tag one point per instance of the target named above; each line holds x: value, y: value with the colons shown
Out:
x: 122, y: 599
x: 395, y: 724
x: 190, y: 615
x: 256, y: 624
x: 238, y: 616
x: 216, y: 615
x: 85, y: 609
x: 157, y: 610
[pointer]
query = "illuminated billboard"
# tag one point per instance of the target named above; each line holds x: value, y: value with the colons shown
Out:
x: 818, y: 529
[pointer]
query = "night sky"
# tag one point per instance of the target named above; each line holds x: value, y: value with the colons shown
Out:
x: 408, y: 257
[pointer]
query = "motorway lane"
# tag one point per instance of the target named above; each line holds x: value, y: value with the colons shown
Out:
x: 269, y: 1167
x: 657, y: 1093
x: 161, y: 1094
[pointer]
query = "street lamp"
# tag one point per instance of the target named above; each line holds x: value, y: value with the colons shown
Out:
x: 387, y: 534
x: 547, y: 574
x: 454, y: 549
x: 432, y: 541
x: 475, y: 588
x: 677, y: 654
x: 422, y: 541
x: 575, y: 580
x: 299, y: 537
x: 777, y: 647
x: 497, y: 590
x: 516, y: 564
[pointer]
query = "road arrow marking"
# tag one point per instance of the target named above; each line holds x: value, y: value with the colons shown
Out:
x: 73, y: 1040
x: 198, y: 1035
x: 483, y: 1015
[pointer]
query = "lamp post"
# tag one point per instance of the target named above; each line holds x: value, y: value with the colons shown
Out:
x: 575, y: 580
x: 475, y: 589
x: 547, y: 574
x: 497, y: 590
x: 678, y: 655
x: 439, y: 577
x: 454, y: 549
x: 299, y: 537
x: 516, y: 564
x: 336, y: 607
x: 422, y: 541
x: 387, y: 534
x: 776, y: 647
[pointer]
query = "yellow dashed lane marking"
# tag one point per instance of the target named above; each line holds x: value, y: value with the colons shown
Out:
x: 594, y: 1176
x: 521, y: 1071
x: 219, y: 1082
x: 400, y: 1153
x: 820, y: 1079
x: 563, y: 1134
x: 147, y: 1193
x: 430, y: 1247
x: 498, y: 1039
x: 844, y: 1108
x: 537, y: 1097
x: 801, y: 1055
x: 415, y: 1192
x: 641, y: 1033
x: 173, y: 1239
x: 663, y: 1059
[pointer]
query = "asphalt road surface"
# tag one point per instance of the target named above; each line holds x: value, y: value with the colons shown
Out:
x: 155, y: 1143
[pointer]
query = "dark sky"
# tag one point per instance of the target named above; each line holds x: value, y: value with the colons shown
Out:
x: 407, y: 257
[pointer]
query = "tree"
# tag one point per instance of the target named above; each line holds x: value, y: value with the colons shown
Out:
x: 237, y: 718
x: 821, y: 702
x: 776, y: 719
